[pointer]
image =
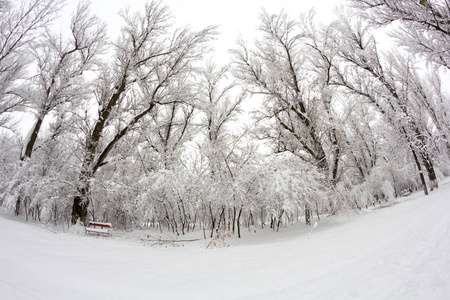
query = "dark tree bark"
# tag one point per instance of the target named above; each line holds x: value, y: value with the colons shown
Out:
x: 32, y: 140
x: 307, y: 215
x: 238, y: 222
x: 79, y: 209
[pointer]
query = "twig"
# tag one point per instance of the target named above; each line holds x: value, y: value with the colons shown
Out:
x: 169, y: 241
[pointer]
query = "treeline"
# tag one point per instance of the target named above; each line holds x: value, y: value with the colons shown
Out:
x: 147, y: 131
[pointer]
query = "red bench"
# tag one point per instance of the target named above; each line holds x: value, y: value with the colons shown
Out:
x: 98, y: 228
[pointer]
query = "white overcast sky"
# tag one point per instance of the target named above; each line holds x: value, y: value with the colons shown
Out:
x: 233, y: 17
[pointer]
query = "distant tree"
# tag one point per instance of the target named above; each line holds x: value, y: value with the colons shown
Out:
x: 172, y: 194
x: 170, y: 126
x: 219, y: 106
x: 284, y: 185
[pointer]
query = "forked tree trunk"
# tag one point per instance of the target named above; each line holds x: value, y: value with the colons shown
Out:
x: 280, y: 216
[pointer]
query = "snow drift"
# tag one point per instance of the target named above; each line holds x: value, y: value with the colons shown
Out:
x: 396, y: 252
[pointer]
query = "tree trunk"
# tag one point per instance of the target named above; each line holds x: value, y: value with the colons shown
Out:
x: 234, y: 217
x: 262, y: 218
x: 26, y: 208
x: 221, y: 217
x: 81, y: 201
x: 307, y: 215
x: 213, y: 220
x: 79, y: 209
x: 17, y: 209
x: 238, y: 223
x: 428, y: 164
x: 336, y: 154
x: 317, y: 211
x: 32, y: 140
x: 279, y: 219
x: 419, y: 167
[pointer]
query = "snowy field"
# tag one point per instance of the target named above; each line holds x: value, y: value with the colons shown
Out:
x: 398, y: 252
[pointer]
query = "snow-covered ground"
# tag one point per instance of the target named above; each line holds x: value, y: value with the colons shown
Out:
x: 398, y: 252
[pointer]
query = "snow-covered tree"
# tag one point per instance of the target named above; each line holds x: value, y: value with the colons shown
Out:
x: 40, y: 187
x: 381, y: 82
x: 57, y: 86
x: 289, y: 67
x: 431, y: 103
x: 284, y: 185
x: 149, y: 61
x: 21, y: 22
x: 321, y: 55
x: 171, y: 125
x: 61, y: 67
x: 421, y: 26
x: 219, y: 104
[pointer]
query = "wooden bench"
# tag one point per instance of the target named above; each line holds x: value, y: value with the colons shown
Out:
x: 98, y: 228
